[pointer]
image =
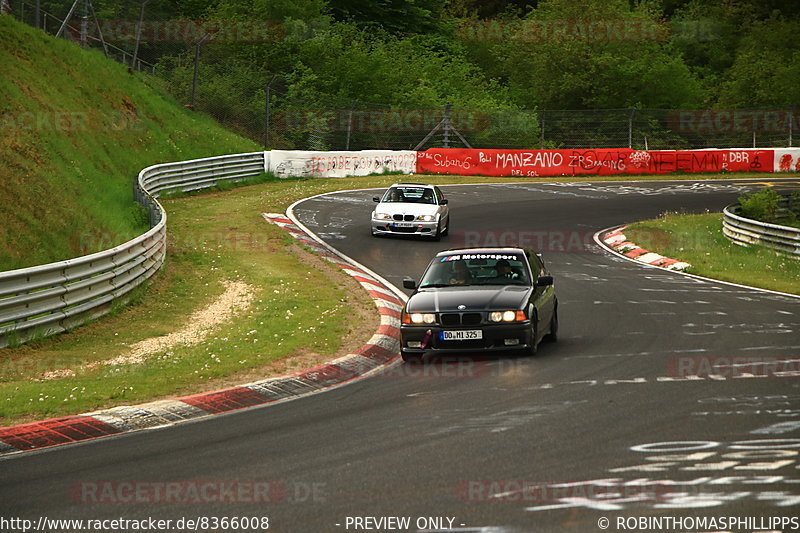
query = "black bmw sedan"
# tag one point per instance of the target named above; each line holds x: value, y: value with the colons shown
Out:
x: 479, y: 300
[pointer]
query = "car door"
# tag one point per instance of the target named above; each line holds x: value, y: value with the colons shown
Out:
x: 543, y: 298
x: 444, y: 211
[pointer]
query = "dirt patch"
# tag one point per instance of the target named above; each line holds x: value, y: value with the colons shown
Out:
x: 236, y: 298
x: 362, y: 325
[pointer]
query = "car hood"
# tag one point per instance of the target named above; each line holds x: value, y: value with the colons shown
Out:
x: 475, y: 298
x: 403, y: 208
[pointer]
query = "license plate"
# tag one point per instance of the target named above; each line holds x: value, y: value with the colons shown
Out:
x: 462, y: 335
x: 403, y: 224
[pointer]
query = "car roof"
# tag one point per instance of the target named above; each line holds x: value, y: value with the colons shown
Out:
x: 481, y: 251
x: 412, y: 185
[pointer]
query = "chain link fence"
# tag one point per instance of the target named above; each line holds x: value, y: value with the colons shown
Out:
x: 195, y: 65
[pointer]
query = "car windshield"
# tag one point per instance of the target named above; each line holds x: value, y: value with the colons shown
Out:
x: 417, y: 195
x: 476, y: 269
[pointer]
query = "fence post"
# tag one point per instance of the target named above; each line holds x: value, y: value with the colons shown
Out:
x: 791, y: 119
x: 65, y: 22
x: 541, y: 136
x: 266, y: 111
x: 139, y: 34
x: 349, y: 124
x: 85, y: 25
x: 196, y: 65
x: 630, y: 128
x: 38, y: 14
x: 446, y: 125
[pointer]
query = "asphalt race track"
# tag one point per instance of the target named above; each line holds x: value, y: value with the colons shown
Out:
x: 666, y: 397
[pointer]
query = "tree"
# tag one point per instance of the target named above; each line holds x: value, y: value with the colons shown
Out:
x: 595, y: 54
x: 395, y: 16
x: 766, y: 70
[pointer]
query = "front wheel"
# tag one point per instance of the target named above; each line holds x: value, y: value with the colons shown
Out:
x: 447, y: 228
x: 438, y: 235
x: 534, y: 346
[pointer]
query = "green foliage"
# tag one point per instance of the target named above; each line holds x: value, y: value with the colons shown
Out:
x: 394, y: 16
x: 596, y: 54
x: 766, y: 70
x: 762, y: 205
x: 488, y: 56
x: 333, y: 56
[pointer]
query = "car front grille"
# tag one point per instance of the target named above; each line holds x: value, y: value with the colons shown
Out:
x: 471, y: 319
x: 406, y: 218
x: 460, y: 319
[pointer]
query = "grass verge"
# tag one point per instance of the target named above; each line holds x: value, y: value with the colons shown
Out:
x: 698, y: 240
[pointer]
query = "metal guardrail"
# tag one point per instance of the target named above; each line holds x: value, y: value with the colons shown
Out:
x: 43, y: 300
x: 745, y: 231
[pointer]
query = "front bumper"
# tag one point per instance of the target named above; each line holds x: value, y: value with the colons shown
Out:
x: 496, y: 337
x: 391, y: 227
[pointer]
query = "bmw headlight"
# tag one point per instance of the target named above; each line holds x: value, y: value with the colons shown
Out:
x: 426, y: 218
x: 507, y: 316
x: 420, y: 318
x: 382, y: 216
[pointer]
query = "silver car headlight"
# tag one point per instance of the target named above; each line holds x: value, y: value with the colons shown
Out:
x: 426, y: 218
x: 382, y: 216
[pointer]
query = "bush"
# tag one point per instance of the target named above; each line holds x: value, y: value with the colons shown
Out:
x: 761, y: 205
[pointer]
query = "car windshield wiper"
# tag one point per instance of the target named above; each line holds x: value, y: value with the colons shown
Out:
x: 437, y: 285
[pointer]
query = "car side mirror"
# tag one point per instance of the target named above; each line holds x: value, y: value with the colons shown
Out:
x: 544, y: 281
x: 409, y: 284
x: 443, y: 202
x: 376, y: 199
